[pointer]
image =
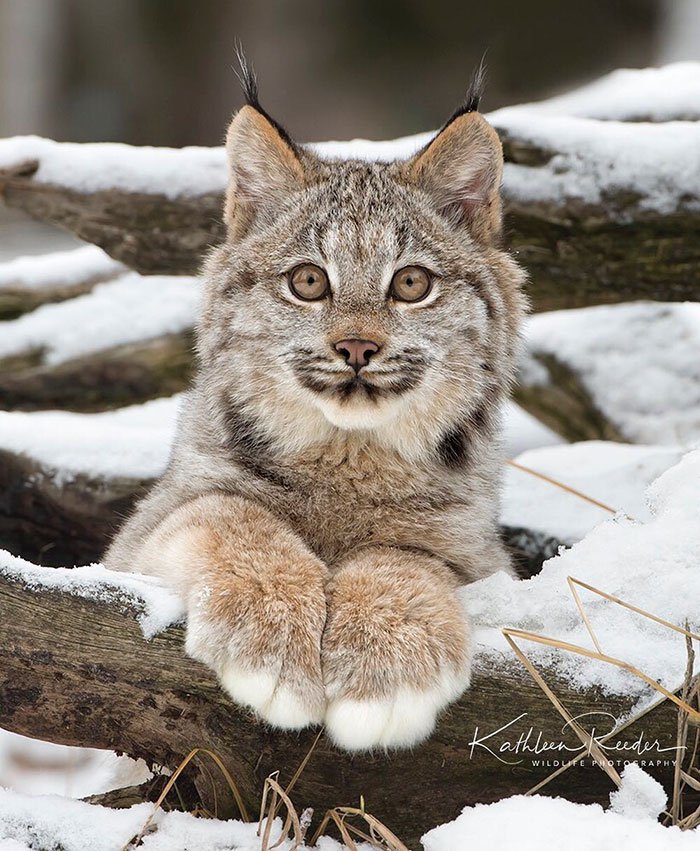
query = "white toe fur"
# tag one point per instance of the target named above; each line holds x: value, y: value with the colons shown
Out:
x: 260, y: 690
x: 357, y: 725
x: 403, y: 720
x: 250, y: 688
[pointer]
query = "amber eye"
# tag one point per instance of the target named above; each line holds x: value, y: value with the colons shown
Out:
x: 309, y: 282
x: 410, y: 284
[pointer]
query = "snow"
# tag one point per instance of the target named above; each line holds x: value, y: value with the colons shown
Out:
x: 158, y: 606
x: 521, y: 431
x: 595, y: 159
x: 107, y: 165
x: 630, y: 94
x: 59, y: 268
x: 129, y: 442
x: 45, y: 822
x: 657, y: 166
x: 640, y: 363
x: 535, y: 823
x: 616, y: 474
x: 650, y: 563
x: 639, y: 796
x: 44, y: 768
x: 130, y: 309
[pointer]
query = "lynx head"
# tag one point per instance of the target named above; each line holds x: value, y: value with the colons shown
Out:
x: 362, y: 296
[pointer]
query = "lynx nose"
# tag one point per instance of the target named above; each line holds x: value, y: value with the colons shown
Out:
x: 356, y: 352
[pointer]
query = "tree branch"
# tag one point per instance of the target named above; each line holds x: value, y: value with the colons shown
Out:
x: 78, y: 671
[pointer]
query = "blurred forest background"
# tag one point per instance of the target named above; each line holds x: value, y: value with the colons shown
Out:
x: 159, y: 72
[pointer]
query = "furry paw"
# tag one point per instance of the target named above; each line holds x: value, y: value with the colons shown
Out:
x: 401, y: 720
x: 283, y: 691
x: 395, y: 650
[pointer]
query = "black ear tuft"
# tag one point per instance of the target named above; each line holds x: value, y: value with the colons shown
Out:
x: 474, y: 93
x: 247, y: 78
x: 249, y: 84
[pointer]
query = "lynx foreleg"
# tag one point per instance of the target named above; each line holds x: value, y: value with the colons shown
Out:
x: 396, y: 648
x: 255, y: 603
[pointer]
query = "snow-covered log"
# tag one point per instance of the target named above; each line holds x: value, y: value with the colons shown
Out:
x: 620, y: 372
x: 602, y: 190
x: 76, y: 668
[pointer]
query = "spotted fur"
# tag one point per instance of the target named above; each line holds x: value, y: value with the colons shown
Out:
x: 318, y: 523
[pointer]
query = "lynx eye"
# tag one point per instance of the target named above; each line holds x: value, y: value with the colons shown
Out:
x: 412, y: 283
x: 309, y: 282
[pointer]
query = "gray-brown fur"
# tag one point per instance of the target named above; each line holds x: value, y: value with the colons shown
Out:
x: 402, y: 472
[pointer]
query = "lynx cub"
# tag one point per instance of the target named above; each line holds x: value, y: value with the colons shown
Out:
x: 336, y: 472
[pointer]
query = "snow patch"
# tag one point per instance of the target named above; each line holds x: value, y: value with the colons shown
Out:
x: 132, y: 442
x: 640, y: 362
x: 535, y: 823
x: 639, y: 796
x: 43, y: 822
x: 128, y: 310
x: 159, y: 606
x: 651, y: 563
x: 59, y: 269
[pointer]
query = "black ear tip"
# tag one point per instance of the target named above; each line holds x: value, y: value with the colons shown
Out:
x: 475, y: 92
x: 247, y: 78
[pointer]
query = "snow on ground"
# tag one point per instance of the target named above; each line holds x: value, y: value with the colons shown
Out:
x: 595, y: 159
x: 132, y: 442
x: 640, y: 362
x: 640, y: 795
x: 159, y: 607
x: 44, y: 768
x: 653, y: 564
x: 535, y: 823
x: 127, y: 310
x: 521, y: 431
x: 46, y: 822
x: 630, y: 94
x: 616, y: 474
x: 59, y: 269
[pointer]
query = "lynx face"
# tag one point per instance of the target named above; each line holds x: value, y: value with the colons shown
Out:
x: 372, y: 294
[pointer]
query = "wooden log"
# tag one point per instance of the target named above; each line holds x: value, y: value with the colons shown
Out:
x: 564, y: 404
x: 110, y: 378
x: 56, y: 517
x: 577, y: 254
x: 79, y: 671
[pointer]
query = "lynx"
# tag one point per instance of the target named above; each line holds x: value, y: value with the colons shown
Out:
x: 335, y: 476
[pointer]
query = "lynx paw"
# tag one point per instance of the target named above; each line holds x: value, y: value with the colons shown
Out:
x: 395, y: 649
x: 402, y: 720
x: 271, y: 700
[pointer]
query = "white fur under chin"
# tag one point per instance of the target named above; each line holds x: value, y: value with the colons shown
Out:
x: 277, y: 704
x: 401, y: 721
x: 358, y: 415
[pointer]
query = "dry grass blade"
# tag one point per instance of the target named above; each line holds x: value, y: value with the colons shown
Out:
x: 380, y: 836
x: 173, y: 779
x: 602, y: 657
x: 562, y: 486
x: 586, y: 739
x: 613, y: 599
x: 297, y: 774
x: 584, y: 750
x: 291, y: 820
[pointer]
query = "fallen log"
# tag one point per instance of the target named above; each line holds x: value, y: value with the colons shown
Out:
x: 54, y: 517
x: 78, y: 670
x: 110, y: 378
x: 588, y: 230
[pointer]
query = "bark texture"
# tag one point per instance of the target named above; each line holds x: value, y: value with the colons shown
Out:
x: 79, y: 672
x: 577, y: 255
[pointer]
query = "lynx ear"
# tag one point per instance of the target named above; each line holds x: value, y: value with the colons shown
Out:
x: 264, y: 166
x: 461, y: 170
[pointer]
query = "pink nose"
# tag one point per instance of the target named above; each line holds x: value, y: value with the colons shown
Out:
x: 356, y: 352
